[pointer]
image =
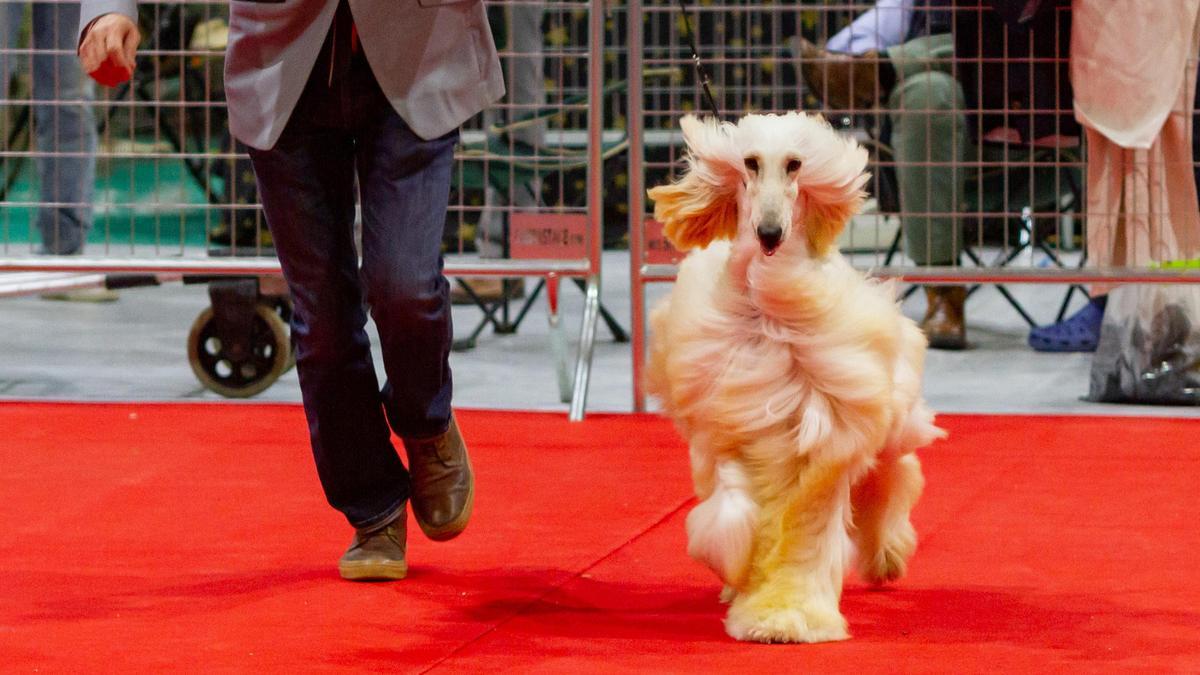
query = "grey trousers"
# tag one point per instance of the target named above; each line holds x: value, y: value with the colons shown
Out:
x: 64, y: 129
x: 930, y: 146
x: 527, y: 90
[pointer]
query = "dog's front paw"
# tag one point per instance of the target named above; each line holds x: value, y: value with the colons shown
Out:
x: 890, y: 561
x: 806, y: 623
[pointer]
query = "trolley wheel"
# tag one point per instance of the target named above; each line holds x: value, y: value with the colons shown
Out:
x: 282, y: 306
x: 244, y: 372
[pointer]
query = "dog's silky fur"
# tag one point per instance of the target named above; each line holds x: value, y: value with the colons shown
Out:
x: 795, y: 379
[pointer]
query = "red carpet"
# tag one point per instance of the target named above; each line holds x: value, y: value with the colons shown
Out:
x: 151, y: 537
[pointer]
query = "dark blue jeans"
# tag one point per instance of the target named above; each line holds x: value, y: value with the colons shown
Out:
x: 307, y: 184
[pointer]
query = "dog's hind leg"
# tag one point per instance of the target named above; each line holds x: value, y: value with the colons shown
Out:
x: 882, y: 532
x: 795, y: 582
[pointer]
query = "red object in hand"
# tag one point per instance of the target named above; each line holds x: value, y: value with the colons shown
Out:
x: 110, y: 74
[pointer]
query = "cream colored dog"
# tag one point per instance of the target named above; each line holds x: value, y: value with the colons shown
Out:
x: 795, y: 380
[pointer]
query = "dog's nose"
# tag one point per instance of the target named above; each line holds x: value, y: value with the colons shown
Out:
x: 769, y: 235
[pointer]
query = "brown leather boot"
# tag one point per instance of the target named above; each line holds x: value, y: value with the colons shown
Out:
x: 443, y: 486
x: 841, y: 81
x: 944, y: 324
x: 378, y: 554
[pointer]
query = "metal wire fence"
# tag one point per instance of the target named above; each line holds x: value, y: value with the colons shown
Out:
x: 170, y: 181
x: 145, y: 178
x: 980, y: 172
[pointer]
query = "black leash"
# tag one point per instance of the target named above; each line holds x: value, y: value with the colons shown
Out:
x: 700, y: 71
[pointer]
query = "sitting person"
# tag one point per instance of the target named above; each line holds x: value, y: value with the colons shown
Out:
x: 916, y: 64
x: 1139, y: 209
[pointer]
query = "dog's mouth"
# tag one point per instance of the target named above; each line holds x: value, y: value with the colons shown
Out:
x: 770, y: 236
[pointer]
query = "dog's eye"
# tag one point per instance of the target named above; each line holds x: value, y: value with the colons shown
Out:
x: 752, y: 164
x: 793, y: 165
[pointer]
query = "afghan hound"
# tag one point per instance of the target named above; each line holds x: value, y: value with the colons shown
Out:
x: 794, y: 378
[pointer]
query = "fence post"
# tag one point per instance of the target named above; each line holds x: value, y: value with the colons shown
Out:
x: 595, y: 191
x: 637, y: 199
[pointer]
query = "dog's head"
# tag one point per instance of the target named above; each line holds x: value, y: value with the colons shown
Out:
x: 788, y: 181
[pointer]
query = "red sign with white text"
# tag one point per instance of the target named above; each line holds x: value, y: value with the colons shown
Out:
x: 548, y: 236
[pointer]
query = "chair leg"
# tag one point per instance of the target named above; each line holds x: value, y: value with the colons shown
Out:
x: 894, y: 248
x: 537, y: 290
x: 489, y: 317
x: 1000, y: 287
x: 1016, y: 305
x: 1062, y: 310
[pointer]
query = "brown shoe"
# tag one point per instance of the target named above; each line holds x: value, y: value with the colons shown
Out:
x: 487, y: 289
x: 944, y: 324
x: 443, y: 486
x: 841, y: 81
x: 377, y: 554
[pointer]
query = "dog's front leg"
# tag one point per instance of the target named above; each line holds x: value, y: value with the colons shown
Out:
x: 883, y: 533
x: 721, y: 527
x: 795, y: 581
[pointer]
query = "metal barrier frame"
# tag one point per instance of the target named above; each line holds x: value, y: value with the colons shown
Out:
x: 642, y: 273
x: 587, y: 268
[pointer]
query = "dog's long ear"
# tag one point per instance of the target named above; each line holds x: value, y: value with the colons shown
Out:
x: 832, y: 179
x: 702, y: 205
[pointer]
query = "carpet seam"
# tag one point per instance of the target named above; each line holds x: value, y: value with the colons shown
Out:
x: 555, y: 587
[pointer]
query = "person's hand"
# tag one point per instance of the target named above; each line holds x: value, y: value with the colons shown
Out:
x: 108, y: 49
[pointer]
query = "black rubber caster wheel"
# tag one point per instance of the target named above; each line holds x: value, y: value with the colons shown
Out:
x: 248, y: 366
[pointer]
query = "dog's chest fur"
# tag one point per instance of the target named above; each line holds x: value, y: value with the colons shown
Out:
x: 769, y: 341
x: 756, y: 378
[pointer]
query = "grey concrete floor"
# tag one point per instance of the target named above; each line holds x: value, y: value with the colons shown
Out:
x: 134, y: 350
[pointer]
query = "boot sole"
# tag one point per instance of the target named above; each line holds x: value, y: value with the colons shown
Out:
x: 950, y: 344
x: 455, y: 527
x: 373, y: 571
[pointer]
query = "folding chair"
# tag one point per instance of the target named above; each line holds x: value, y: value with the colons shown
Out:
x: 501, y: 161
x: 993, y: 190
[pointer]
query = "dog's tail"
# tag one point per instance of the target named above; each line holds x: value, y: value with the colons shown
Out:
x: 721, y: 528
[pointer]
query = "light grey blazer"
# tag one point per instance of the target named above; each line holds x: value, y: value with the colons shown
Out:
x: 434, y: 59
